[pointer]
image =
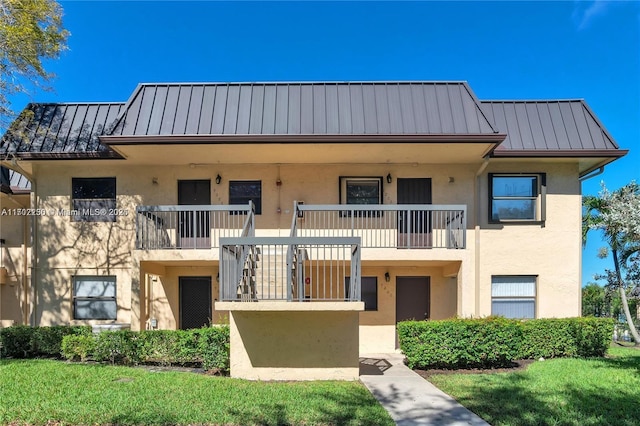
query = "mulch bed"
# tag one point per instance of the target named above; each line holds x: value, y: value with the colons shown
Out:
x: 519, y: 365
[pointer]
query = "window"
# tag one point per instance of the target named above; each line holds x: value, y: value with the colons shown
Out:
x: 368, y: 292
x: 516, y: 197
x: 93, y: 199
x: 94, y: 297
x: 513, y: 296
x: 361, y: 191
x: 243, y: 191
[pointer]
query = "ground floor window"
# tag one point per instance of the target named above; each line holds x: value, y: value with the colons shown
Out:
x: 94, y: 297
x: 368, y: 292
x: 513, y: 296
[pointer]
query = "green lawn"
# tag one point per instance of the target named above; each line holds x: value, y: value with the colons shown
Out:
x: 581, y: 392
x: 37, y: 391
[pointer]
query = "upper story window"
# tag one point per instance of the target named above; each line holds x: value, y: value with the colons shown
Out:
x: 93, y: 199
x: 361, y: 191
x: 243, y: 191
x: 516, y: 197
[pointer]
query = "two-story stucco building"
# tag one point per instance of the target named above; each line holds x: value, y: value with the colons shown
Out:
x: 459, y: 207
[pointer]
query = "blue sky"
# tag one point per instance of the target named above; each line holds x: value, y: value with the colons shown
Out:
x: 505, y: 50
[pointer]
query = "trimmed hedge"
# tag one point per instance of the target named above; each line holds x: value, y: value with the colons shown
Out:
x: 461, y: 343
x: 496, y: 341
x: 566, y: 337
x: 207, y: 346
x: 23, y: 341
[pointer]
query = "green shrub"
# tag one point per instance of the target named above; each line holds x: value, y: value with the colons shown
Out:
x: 48, y: 340
x: 78, y: 347
x: 118, y: 347
x: 494, y: 342
x: 15, y: 342
x: 548, y: 338
x: 213, y: 346
x: 159, y: 346
x: 593, y: 336
x: 23, y: 341
x: 460, y: 343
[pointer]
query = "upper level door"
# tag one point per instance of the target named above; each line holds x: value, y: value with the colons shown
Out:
x: 414, y: 228
x: 194, y: 224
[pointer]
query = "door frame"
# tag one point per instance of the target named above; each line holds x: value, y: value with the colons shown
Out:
x: 428, y: 304
x: 180, y: 297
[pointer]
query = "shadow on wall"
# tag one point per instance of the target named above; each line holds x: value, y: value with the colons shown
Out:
x: 67, y: 247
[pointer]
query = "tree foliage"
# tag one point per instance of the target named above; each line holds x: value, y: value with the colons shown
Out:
x: 617, y: 215
x: 31, y: 31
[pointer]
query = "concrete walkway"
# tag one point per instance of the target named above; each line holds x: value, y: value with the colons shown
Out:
x: 410, y: 399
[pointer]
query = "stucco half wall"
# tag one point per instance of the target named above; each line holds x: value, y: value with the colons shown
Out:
x: 294, y: 340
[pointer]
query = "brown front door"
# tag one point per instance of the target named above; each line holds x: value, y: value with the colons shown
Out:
x: 194, y: 225
x: 195, y: 302
x: 413, y: 298
x: 414, y: 227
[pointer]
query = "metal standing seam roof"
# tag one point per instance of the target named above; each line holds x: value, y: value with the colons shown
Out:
x: 294, y: 109
x: 64, y: 129
x: 306, y: 111
x: 547, y: 125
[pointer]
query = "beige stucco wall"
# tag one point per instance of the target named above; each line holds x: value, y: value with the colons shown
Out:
x: 550, y: 252
x: 163, y: 300
x: 65, y: 248
x: 14, y: 258
x: 300, y: 345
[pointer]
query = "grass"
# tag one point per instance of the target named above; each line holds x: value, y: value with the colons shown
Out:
x: 585, y: 392
x: 41, y: 391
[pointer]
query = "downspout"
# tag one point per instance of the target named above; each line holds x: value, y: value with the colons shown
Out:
x: 589, y: 175
x: 482, y: 168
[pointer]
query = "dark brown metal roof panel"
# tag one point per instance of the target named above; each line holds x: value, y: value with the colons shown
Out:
x: 548, y: 125
x: 306, y: 109
x: 61, y: 128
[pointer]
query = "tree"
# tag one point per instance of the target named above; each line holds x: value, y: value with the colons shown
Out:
x: 593, y: 301
x: 30, y: 32
x: 617, y: 215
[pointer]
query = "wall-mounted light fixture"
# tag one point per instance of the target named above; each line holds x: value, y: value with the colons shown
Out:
x: 389, y: 178
x: 218, y: 179
x: 218, y: 277
x: 154, y: 180
x: 278, y: 182
x: 387, y: 277
x: 452, y: 179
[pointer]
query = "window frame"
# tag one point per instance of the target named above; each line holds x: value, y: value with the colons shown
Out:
x: 539, y: 199
x: 533, y: 298
x: 343, y: 182
x: 257, y: 201
x: 78, y: 208
x: 75, y: 298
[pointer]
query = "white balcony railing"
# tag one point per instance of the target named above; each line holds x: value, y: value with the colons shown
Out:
x: 407, y: 226
x: 191, y: 227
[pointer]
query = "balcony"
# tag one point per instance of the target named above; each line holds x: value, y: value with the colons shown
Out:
x: 402, y: 226
x: 191, y: 227
x: 419, y: 226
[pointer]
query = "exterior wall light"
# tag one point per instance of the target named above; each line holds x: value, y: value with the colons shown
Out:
x: 218, y: 179
x: 387, y: 277
x: 389, y: 179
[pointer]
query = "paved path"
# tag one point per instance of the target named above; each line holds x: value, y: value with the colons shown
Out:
x: 410, y: 399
